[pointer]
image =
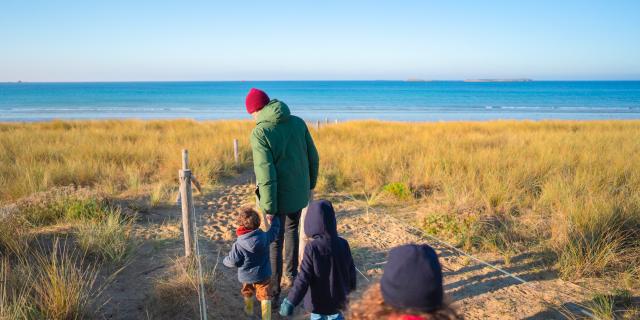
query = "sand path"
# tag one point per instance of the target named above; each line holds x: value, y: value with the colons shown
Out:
x: 479, y: 292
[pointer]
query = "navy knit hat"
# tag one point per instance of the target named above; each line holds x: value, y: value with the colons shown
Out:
x: 412, y: 278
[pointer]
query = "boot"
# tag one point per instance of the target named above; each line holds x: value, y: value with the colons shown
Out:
x: 266, y: 309
x: 248, y: 305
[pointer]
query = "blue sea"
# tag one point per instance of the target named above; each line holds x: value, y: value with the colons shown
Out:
x: 320, y: 100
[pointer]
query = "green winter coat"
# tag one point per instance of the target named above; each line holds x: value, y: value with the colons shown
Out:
x: 285, y: 160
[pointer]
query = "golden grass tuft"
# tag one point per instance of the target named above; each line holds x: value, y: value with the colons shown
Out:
x: 107, y: 238
x: 47, y: 285
x: 113, y: 155
x: 176, y: 295
x: 14, y: 236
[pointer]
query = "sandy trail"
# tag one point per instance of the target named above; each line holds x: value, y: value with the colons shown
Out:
x: 479, y: 292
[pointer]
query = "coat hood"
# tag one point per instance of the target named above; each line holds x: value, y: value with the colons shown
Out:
x: 251, y: 241
x: 274, y: 112
x: 320, y: 220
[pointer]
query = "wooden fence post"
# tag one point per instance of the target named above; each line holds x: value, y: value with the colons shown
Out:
x: 236, y: 156
x: 187, y: 203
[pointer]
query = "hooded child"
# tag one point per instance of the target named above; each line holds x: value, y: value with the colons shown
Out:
x: 327, y: 272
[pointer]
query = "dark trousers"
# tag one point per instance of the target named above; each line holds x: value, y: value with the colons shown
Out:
x: 288, y: 233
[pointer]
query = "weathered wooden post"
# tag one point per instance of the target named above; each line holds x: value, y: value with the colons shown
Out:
x: 317, y: 124
x: 302, y: 237
x: 187, y: 203
x: 236, y: 156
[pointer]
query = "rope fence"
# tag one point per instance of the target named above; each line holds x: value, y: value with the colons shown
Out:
x: 191, y: 236
x: 459, y: 251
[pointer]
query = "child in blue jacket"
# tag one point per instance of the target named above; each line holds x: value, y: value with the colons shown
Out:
x: 250, y: 253
x: 327, y: 272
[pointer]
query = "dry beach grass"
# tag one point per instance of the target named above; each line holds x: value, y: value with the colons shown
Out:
x: 568, y: 189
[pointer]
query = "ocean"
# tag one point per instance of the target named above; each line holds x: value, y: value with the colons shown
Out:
x: 320, y: 100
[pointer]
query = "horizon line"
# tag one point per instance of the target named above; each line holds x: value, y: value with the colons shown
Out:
x: 410, y: 80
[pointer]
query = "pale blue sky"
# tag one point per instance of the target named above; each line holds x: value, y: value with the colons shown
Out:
x: 134, y: 40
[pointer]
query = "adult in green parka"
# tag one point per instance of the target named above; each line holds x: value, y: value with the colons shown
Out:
x: 285, y: 161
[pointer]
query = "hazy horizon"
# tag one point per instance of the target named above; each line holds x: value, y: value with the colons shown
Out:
x: 338, y: 80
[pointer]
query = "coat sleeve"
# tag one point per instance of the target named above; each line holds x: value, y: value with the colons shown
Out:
x: 314, y: 160
x: 272, y: 234
x: 235, y: 257
x: 265, y: 169
x: 304, y: 278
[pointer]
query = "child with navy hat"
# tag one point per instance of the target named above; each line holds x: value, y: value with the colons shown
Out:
x: 410, y: 289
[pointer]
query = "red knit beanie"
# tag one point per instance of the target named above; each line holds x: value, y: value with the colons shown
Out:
x: 256, y: 100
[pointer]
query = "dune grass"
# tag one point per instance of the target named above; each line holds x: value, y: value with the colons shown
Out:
x: 58, y: 284
x: 113, y: 155
x: 13, y: 235
x: 571, y: 188
x: 108, y: 238
x: 52, y: 245
x: 173, y: 295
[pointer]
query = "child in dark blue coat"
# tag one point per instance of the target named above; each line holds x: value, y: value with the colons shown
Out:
x: 250, y: 253
x: 327, y: 272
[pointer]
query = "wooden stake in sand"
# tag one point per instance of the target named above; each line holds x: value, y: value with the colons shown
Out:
x: 302, y: 237
x: 235, y: 151
x: 186, y: 201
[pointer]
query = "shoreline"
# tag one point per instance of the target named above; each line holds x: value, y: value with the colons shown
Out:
x: 321, y: 122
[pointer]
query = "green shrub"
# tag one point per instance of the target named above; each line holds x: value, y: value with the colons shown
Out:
x: 398, y: 190
x: 450, y: 228
x: 76, y: 209
x: 51, y: 211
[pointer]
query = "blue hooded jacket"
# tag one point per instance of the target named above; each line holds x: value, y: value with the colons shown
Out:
x: 250, y: 253
x: 327, y: 272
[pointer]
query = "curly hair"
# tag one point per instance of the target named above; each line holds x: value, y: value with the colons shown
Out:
x: 248, y: 218
x: 371, y: 306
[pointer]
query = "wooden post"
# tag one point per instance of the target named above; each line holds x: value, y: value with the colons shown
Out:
x: 187, y: 202
x: 317, y: 124
x: 235, y: 151
x: 302, y: 237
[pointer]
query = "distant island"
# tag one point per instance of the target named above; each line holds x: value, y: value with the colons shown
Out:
x: 473, y: 80
x: 498, y: 80
x: 423, y: 80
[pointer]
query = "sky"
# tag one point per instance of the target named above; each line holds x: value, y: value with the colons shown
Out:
x: 172, y: 40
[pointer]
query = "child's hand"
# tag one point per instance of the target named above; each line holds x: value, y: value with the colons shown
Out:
x: 270, y: 218
x: 286, y: 308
